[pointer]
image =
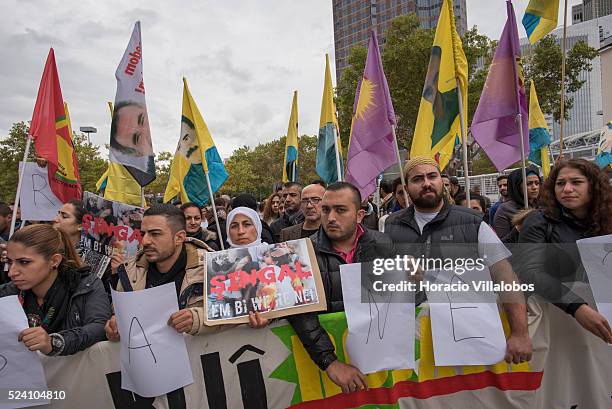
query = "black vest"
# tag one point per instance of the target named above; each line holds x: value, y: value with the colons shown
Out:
x: 453, y: 233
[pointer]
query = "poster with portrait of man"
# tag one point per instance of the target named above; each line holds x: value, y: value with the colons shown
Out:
x: 275, y: 280
x: 130, y: 136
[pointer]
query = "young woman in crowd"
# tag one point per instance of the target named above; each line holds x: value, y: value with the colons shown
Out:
x: 66, y: 305
x: 69, y: 219
x: 502, y: 222
x: 271, y: 210
x: 578, y: 204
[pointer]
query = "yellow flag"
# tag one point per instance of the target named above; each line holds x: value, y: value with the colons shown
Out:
x: 291, y: 146
x: 438, y: 125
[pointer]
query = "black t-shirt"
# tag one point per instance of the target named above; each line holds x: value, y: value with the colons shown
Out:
x: 307, y: 233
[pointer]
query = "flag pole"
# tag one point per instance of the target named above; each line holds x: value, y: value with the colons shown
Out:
x: 562, y: 117
x: 464, y: 146
x: 399, y: 163
x: 338, y: 167
x: 519, y: 120
x: 212, y: 202
x: 142, y: 197
x: 26, y: 152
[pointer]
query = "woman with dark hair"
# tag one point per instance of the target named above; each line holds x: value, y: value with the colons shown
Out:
x: 69, y: 220
x: 271, y: 211
x: 578, y: 202
x: 502, y: 222
x: 65, y: 304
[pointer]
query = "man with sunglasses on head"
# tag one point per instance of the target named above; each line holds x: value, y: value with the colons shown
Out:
x: 310, y: 205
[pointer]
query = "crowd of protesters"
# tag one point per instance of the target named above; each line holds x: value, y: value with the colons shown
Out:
x: 68, y: 308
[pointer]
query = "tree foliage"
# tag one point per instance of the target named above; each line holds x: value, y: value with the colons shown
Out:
x: 256, y: 170
x: 543, y: 65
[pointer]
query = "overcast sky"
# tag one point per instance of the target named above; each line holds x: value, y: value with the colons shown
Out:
x: 242, y: 59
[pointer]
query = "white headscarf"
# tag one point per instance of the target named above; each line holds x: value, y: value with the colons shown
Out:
x: 251, y: 214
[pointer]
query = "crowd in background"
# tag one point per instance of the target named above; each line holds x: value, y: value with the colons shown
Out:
x: 69, y: 309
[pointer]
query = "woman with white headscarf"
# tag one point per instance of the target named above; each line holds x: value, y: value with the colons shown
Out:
x: 244, y: 230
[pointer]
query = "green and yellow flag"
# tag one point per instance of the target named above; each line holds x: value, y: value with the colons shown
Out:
x: 329, y: 148
x: 196, y: 157
x: 118, y: 184
x: 539, y: 137
x: 291, y: 146
x: 438, y: 123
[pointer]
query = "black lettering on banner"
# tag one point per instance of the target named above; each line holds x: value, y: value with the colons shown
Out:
x: 213, y: 381
x: 123, y: 399
x: 147, y: 345
x: 252, y: 385
x: 3, y: 362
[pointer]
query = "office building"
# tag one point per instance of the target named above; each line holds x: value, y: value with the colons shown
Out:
x: 353, y: 20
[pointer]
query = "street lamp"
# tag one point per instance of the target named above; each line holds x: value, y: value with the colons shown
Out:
x: 88, y: 130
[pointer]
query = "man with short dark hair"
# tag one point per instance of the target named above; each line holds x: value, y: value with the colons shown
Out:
x: 291, y: 197
x: 6, y: 215
x: 167, y: 256
x: 312, y: 195
x: 433, y: 227
x: 341, y: 239
x: 455, y: 187
x: 387, y: 202
x: 502, y: 185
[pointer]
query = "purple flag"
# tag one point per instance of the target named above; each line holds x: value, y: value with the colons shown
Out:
x: 371, y: 147
x: 495, y: 126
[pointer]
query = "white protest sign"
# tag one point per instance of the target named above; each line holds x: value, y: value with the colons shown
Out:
x: 154, y: 358
x: 36, y: 200
x: 596, y: 254
x: 20, y: 368
x: 465, y: 325
x: 381, y: 331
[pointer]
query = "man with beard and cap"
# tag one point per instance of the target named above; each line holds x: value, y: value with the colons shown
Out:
x: 502, y: 222
x: 312, y: 196
x: 435, y: 229
x: 193, y: 218
x: 291, y: 197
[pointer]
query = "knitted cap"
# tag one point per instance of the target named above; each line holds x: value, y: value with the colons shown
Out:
x: 419, y: 160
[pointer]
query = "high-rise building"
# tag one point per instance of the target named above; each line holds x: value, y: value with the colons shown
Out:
x: 353, y: 20
x: 587, y: 113
x: 591, y: 9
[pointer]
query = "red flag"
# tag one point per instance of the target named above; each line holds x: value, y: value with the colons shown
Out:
x: 52, y: 135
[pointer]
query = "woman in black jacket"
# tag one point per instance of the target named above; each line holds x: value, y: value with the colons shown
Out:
x: 578, y: 205
x: 66, y: 306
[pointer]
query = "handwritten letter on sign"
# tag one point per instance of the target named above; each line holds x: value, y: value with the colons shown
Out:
x: 154, y: 358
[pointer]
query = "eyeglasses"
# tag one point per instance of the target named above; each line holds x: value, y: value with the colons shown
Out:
x: 312, y: 200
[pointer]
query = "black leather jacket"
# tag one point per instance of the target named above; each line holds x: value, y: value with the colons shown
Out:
x: 316, y: 341
x: 88, y: 311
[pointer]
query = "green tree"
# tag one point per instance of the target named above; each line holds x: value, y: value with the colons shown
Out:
x: 543, y: 65
x: 256, y: 170
x: 162, y: 171
x: 89, y: 159
x: 11, y: 152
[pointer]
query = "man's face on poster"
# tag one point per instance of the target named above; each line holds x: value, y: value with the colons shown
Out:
x: 188, y: 143
x: 430, y: 89
x: 132, y: 130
